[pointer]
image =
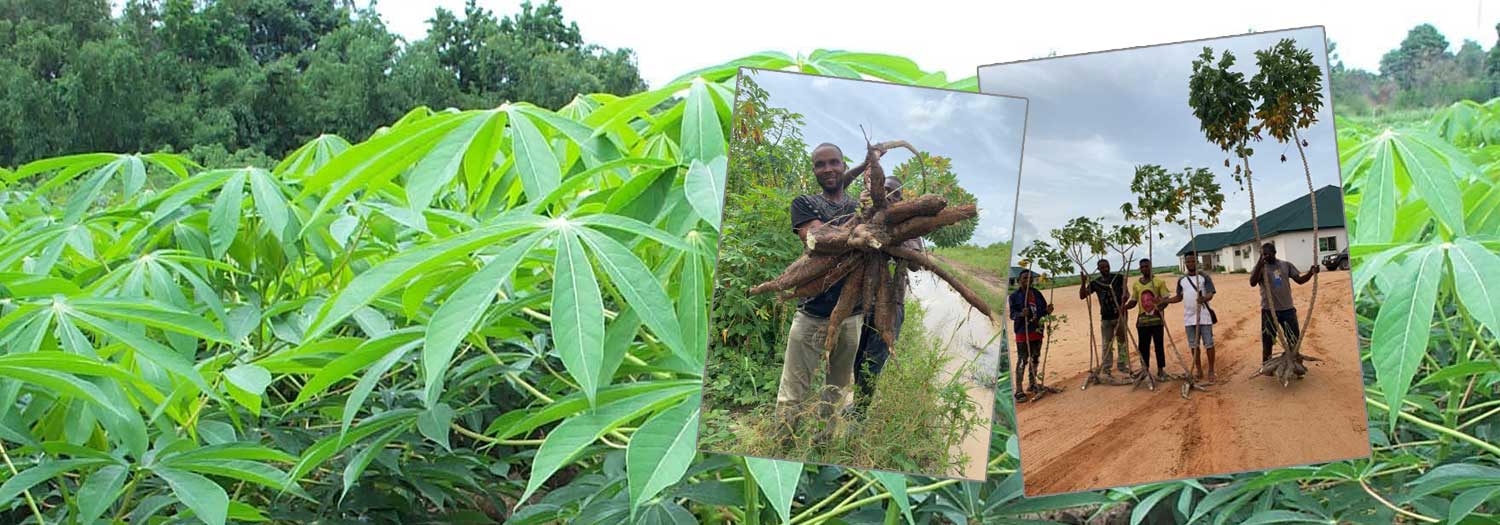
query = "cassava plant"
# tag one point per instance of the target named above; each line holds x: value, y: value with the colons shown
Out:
x: 1155, y: 199
x: 1224, y: 104
x: 1040, y: 254
x: 1290, y: 88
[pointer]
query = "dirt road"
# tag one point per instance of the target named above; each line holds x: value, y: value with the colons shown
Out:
x: 973, y: 350
x: 1109, y: 436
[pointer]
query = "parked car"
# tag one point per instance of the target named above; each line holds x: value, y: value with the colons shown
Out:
x: 1337, y: 261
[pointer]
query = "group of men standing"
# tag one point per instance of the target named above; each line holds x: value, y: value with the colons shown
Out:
x: 1149, y: 293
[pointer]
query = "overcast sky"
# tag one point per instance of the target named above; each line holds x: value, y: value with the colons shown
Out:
x: 980, y: 133
x: 1094, y: 117
x: 672, y: 37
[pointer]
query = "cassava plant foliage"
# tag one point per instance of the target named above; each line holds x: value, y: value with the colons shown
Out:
x: 928, y: 173
x: 1156, y: 200
x: 1289, y: 86
x: 498, y: 315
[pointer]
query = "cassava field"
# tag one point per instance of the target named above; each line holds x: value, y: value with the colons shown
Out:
x: 500, y: 315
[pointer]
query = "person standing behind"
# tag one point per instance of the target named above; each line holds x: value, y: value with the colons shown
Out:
x: 1027, y: 307
x: 870, y: 359
x: 1197, y: 317
x: 1110, y: 287
x: 805, y: 351
x: 1150, y: 293
x: 1279, y: 309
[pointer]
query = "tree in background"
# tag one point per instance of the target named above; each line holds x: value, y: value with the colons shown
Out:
x: 1123, y: 240
x: 1423, y: 47
x: 264, y: 76
x: 1155, y: 198
x: 940, y: 181
x: 1200, y: 199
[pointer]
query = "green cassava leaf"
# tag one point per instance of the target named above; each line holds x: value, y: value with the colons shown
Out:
x: 661, y: 450
x: 705, y: 188
x: 1404, y: 325
x: 205, y: 498
x: 457, y: 316
x: 537, y: 165
x: 577, y: 313
x: 638, y: 286
x: 224, y: 220
x: 777, y: 481
x: 1476, y: 277
x: 702, y: 134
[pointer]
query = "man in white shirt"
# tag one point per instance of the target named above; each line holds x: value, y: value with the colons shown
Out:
x: 1195, y: 290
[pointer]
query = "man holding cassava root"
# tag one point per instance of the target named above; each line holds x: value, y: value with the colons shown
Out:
x: 1027, y: 307
x: 1110, y: 287
x: 1279, y: 310
x: 805, y: 343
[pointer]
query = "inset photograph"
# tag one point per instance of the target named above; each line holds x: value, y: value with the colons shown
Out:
x: 1234, y: 347
x: 855, y: 327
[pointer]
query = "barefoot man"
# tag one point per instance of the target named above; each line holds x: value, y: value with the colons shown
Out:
x: 1197, y: 316
x: 1110, y: 287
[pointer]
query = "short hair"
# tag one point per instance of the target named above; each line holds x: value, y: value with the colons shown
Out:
x: 830, y: 145
x: 1268, y: 246
x: 1145, y: 260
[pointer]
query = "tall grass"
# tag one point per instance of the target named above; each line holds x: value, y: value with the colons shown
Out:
x: 915, y: 420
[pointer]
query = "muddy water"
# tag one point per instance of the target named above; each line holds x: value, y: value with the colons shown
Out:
x: 974, y: 351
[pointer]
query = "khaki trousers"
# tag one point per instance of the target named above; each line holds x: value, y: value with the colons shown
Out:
x: 1114, y: 339
x: 805, y: 354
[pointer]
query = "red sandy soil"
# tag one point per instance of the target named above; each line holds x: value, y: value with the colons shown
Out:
x: 1109, y: 436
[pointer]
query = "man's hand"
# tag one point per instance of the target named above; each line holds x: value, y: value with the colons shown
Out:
x: 864, y: 199
x: 1049, y: 309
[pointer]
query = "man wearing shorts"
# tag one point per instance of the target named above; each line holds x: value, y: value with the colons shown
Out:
x: 1195, y: 290
x: 1027, y: 307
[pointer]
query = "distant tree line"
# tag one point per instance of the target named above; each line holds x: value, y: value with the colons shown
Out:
x: 1422, y: 72
x: 233, y: 81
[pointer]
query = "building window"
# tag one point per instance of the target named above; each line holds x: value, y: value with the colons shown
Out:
x: 1328, y: 244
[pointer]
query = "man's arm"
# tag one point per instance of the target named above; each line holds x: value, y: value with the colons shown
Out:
x: 1207, y: 293
x: 1016, y: 310
x: 1255, y: 274
x: 807, y: 227
x: 1177, y: 297
x: 1303, y: 278
x: 1083, y: 285
x: 1130, y: 303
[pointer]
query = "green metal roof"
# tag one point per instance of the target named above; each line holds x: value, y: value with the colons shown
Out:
x: 1293, y: 216
x: 1207, y: 242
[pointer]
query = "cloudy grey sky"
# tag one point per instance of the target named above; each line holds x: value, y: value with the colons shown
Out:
x: 1094, y: 117
x: 981, y: 133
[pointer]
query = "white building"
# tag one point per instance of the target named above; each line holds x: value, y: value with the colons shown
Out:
x: 1288, y: 227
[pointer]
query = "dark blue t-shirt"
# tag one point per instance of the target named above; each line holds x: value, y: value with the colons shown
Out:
x: 806, y: 208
